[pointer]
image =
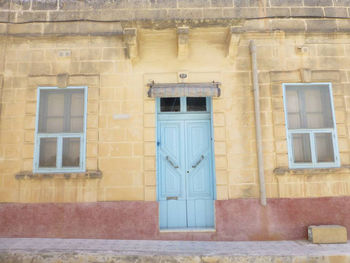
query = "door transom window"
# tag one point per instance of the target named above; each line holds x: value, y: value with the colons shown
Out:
x: 183, y: 105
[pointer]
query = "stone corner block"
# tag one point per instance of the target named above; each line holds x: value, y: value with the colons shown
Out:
x: 327, y: 234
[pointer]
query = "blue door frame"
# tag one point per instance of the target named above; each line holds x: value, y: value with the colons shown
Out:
x: 185, y: 168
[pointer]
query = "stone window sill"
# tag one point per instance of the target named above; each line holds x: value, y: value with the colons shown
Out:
x: 95, y: 174
x: 279, y: 171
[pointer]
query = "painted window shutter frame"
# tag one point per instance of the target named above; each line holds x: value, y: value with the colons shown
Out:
x: 310, y: 134
x: 61, y: 137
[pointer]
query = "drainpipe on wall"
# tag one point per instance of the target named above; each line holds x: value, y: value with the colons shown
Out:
x: 252, y: 49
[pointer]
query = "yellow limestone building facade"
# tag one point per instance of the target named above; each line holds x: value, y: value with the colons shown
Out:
x: 106, y: 55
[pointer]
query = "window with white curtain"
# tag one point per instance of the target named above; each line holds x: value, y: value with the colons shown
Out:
x: 60, y: 129
x: 310, y: 123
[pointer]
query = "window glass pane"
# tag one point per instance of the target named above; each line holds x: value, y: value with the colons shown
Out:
x: 75, y: 118
x: 170, y: 104
x: 196, y: 104
x: 294, y: 121
x: 71, y: 152
x: 309, y: 107
x: 48, y: 150
x: 55, y: 103
x: 61, y: 111
x: 77, y: 104
x: 301, y: 148
x: 293, y: 109
x: 53, y: 124
x: 51, y: 112
x: 318, y: 113
x: 324, y: 147
x: 76, y: 124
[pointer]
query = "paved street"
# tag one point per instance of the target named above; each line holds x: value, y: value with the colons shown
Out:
x: 72, y: 250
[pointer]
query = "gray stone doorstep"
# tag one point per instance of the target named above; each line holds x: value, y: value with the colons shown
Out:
x: 144, y: 248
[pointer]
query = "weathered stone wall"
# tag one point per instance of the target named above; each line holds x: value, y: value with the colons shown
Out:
x: 124, y: 150
x: 95, y: 17
x: 98, y: 63
x: 240, y: 219
x: 140, y: 10
x: 86, y: 43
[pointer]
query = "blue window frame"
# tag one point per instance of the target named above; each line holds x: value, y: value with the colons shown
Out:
x: 60, y: 135
x: 310, y: 125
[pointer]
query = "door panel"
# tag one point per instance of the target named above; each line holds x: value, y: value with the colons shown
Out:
x: 172, y: 180
x: 173, y: 214
x: 171, y: 165
x: 185, y: 183
x: 200, y: 213
x: 200, y: 206
x: 199, y: 160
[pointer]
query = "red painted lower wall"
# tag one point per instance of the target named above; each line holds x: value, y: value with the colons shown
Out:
x: 238, y: 219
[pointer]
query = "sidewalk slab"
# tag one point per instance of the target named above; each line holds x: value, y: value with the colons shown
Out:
x: 38, y: 250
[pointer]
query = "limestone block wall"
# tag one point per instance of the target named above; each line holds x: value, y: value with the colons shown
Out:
x: 84, y: 43
x: 98, y: 63
x: 124, y: 149
x: 163, y: 11
x: 281, y: 59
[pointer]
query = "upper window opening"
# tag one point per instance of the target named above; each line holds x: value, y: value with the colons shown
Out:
x: 61, y: 111
x: 311, y: 131
x: 60, y: 135
x: 309, y: 107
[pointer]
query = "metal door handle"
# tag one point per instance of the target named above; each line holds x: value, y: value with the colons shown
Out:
x: 199, y: 161
x: 172, y: 164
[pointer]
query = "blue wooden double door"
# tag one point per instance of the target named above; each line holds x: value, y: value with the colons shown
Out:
x: 185, y: 171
